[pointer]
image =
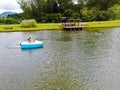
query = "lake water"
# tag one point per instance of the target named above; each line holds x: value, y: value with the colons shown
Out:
x: 69, y: 60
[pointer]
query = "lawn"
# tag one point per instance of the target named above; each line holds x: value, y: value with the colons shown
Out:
x: 114, y: 23
x: 58, y: 26
x: 17, y: 27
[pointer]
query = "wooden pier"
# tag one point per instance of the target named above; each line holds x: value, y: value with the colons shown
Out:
x: 68, y: 25
x: 71, y: 26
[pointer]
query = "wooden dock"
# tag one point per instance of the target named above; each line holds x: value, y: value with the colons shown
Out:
x: 73, y: 28
x: 67, y: 24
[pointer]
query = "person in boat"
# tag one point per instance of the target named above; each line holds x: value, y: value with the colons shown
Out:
x: 30, y: 40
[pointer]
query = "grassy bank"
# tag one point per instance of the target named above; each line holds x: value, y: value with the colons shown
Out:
x: 57, y: 26
x: 102, y: 24
x: 17, y: 27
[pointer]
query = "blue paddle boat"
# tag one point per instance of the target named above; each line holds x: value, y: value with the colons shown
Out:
x: 31, y: 45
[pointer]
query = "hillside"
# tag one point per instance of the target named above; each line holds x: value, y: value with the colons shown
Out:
x: 5, y: 14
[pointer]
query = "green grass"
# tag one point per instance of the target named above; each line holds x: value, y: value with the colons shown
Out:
x: 17, y: 27
x: 57, y: 26
x: 102, y: 24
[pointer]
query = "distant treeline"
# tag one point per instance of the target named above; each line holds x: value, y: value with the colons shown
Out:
x: 12, y: 19
x: 53, y: 10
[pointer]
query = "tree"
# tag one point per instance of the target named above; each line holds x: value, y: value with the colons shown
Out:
x: 102, y: 4
x: 68, y: 13
x: 82, y: 1
x: 25, y: 6
x: 42, y: 10
x: 32, y: 8
x: 51, y: 6
x: 64, y: 5
x: 36, y: 8
x: 114, y: 11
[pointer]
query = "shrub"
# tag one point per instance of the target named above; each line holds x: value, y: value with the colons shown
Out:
x: 54, y: 18
x: 76, y: 15
x: 114, y: 11
x: 68, y: 13
x: 8, y: 21
x: 28, y: 23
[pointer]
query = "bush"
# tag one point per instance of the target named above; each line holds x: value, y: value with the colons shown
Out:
x: 76, y: 15
x: 95, y: 14
x: 28, y: 23
x: 68, y: 13
x: 52, y: 18
x: 8, y: 21
x: 114, y: 11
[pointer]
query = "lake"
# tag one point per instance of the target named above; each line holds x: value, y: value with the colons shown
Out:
x: 69, y: 60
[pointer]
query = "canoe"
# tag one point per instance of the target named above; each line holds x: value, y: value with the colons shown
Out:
x: 30, y: 45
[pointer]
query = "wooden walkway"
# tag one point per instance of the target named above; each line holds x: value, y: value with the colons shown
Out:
x: 73, y: 28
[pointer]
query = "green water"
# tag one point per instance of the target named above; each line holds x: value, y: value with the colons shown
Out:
x: 69, y: 60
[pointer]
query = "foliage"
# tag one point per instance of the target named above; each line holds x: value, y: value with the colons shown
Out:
x: 51, y: 6
x: 52, y: 18
x: 28, y: 23
x: 95, y: 14
x: 76, y: 15
x: 8, y: 21
x: 54, y: 10
x: 16, y: 16
x: 84, y: 11
x: 101, y: 4
x: 68, y: 13
x: 115, y: 11
x: 35, y: 8
x: 32, y: 9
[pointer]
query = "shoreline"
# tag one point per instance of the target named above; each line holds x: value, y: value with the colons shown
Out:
x: 58, y: 26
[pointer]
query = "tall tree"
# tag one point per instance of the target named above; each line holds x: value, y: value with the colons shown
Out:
x: 101, y: 4
x: 52, y: 6
x: 32, y: 8
x: 64, y: 5
x: 35, y: 8
x: 26, y: 8
x: 82, y: 1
